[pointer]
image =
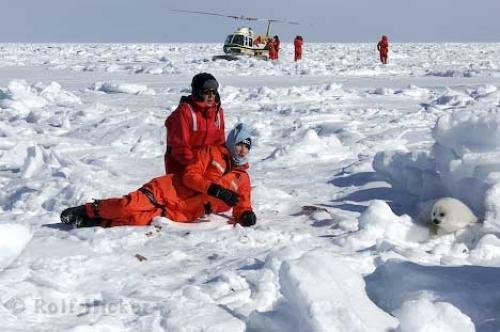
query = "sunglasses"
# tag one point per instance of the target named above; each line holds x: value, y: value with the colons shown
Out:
x: 209, y: 92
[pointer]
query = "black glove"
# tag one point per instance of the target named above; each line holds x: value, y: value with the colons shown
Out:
x: 227, y: 196
x: 247, y: 219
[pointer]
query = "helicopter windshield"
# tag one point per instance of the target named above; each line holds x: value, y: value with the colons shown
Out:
x: 238, y: 40
x: 228, y: 39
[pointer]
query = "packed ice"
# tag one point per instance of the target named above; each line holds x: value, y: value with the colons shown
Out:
x: 346, y: 153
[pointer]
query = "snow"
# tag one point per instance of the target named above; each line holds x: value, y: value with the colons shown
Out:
x: 435, y: 296
x: 343, y: 305
x: 463, y: 163
x: 129, y: 88
x: 13, y: 239
x: 378, y: 222
x: 21, y: 97
x: 345, y: 153
x: 426, y: 315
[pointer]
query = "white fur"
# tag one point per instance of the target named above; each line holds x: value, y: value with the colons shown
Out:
x: 446, y: 215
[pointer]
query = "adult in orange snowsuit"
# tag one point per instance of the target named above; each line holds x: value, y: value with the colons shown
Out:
x: 217, y: 181
x: 277, y: 46
x: 271, y: 46
x: 197, y: 122
x: 297, y: 43
x: 383, y: 49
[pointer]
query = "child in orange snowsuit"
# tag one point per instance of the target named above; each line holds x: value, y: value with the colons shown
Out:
x: 215, y: 182
x: 298, y: 42
x: 383, y: 48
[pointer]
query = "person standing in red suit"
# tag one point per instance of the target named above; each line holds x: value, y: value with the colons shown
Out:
x: 297, y: 43
x: 197, y: 122
x: 383, y: 49
x: 277, y: 44
x: 271, y: 47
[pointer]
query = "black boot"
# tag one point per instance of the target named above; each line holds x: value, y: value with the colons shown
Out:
x: 78, y: 216
x: 74, y: 215
x: 89, y: 222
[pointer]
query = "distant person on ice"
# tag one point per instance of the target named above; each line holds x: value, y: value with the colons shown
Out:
x: 258, y: 40
x: 297, y: 43
x: 197, y: 122
x: 383, y: 49
x: 277, y: 44
x: 214, y: 182
x: 273, y: 45
x: 271, y: 49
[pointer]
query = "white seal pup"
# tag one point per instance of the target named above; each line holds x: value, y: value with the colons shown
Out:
x: 447, y: 215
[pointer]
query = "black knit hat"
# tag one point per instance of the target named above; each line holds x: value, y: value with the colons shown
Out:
x: 203, y: 81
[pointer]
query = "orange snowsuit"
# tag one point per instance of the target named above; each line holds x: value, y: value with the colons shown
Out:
x: 277, y: 48
x: 383, y: 48
x: 271, y: 46
x: 191, y: 127
x: 298, y: 42
x: 179, y: 198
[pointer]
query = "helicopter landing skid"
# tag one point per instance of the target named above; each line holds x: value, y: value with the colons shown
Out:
x: 226, y: 57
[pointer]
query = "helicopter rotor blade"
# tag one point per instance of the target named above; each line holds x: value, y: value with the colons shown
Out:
x: 246, y: 18
x: 283, y: 21
x: 241, y: 17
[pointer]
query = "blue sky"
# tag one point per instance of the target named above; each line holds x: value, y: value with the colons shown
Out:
x: 323, y: 20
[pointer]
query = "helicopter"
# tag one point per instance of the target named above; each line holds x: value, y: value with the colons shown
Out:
x: 243, y: 41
